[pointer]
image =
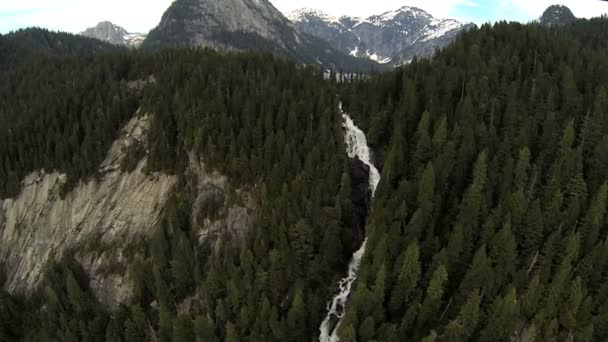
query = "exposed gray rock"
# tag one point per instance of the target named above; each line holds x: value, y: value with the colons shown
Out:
x: 394, y: 37
x: 557, y: 15
x: 244, y: 25
x: 219, y: 213
x: 114, y: 34
x: 113, y: 212
x: 101, y: 219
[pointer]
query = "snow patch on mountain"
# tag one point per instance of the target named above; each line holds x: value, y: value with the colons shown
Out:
x: 392, y: 37
x: 114, y: 34
x: 306, y: 14
x: 379, y: 59
x: 439, y: 28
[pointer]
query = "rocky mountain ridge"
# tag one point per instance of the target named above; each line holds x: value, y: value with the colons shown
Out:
x: 237, y: 25
x: 100, y: 220
x: 393, y: 37
x: 114, y: 34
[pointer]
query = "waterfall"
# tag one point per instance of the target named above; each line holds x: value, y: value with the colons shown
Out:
x: 356, y: 147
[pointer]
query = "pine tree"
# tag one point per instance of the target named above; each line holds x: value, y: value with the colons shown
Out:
x: 182, y: 329
x: 595, y: 218
x: 232, y: 334
x: 502, y: 318
x: 409, y: 275
x: 433, y: 295
x: 296, y: 318
x: 479, y: 275
x: 203, y: 329
x: 502, y: 251
x: 181, y: 264
x: 532, y: 230
x: 463, y: 327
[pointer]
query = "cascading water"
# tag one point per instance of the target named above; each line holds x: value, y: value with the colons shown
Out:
x: 356, y: 147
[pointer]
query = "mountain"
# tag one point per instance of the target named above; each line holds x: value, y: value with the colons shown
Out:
x: 187, y: 194
x: 114, y: 34
x: 23, y: 45
x: 557, y: 15
x: 244, y: 25
x: 393, y: 37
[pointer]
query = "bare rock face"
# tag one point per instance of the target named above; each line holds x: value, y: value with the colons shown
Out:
x: 203, y: 22
x: 229, y: 25
x: 220, y: 214
x: 98, y: 219
x: 102, y: 219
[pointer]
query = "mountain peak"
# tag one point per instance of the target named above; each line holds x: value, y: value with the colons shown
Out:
x: 557, y: 15
x: 306, y: 13
x: 393, y: 37
x: 403, y: 13
x: 244, y: 25
x: 113, y: 34
x: 199, y: 22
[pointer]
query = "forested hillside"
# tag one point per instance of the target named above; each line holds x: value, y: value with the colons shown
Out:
x: 23, y: 45
x: 272, y: 126
x: 488, y: 224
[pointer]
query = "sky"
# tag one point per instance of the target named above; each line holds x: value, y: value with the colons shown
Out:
x: 143, y: 15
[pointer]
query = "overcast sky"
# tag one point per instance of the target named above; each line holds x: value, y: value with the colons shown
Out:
x: 142, y: 15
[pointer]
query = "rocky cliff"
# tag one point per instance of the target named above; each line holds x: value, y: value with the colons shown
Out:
x: 103, y: 221
x: 245, y: 25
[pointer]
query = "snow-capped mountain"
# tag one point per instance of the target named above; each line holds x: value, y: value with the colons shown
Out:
x: 245, y: 25
x: 114, y: 34
x: 394, y: 37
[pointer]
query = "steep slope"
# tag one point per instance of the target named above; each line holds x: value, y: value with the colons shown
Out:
x: 393, y: 37
x: 489, y: 223
x: 243, y: 25
x: 557, y: 15
x: 99, y: 219
x: 114, y: 34
x: 149, y: 225
x: 490, y: 219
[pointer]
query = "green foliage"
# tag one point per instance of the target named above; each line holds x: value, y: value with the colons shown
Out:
x: 489, y: 223
x: 502, y: 169
x: 61, y: 114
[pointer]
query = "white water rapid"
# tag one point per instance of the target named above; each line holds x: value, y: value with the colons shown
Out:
x: 356, y: 147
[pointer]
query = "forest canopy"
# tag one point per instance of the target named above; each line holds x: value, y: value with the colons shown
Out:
x: 488, y: 224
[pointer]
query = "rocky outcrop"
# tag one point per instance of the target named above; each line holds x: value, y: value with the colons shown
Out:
x: 98, y: 219
x: 359, y: 174
x: 102, y: 221
x: 220, y: 214
x: 230, y: 25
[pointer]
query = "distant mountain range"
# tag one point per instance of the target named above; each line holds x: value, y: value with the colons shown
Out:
x: 346, y: 43
x: 114, y: 34
x: 393, y: 37
x: 245, y: 25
